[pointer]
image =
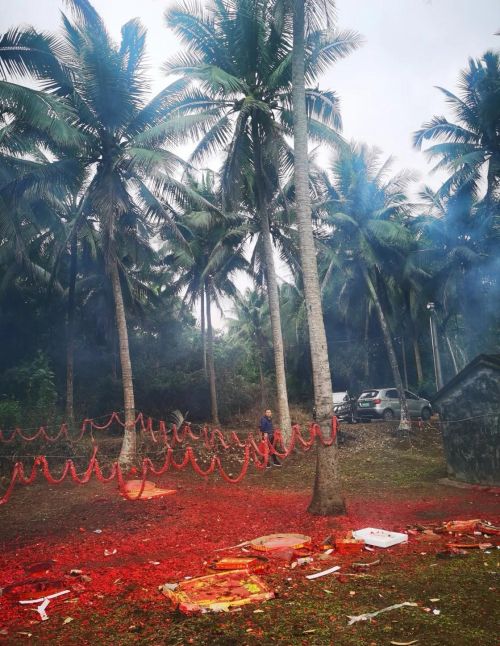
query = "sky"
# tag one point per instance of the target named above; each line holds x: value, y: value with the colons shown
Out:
x: 386, y: 88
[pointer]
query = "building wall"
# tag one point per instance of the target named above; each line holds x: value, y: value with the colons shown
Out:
x: 470, y: 413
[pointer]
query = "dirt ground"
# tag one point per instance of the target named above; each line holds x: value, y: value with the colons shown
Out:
x: 388, y: 482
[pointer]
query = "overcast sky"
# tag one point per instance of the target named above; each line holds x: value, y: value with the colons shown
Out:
x: 387, y: 87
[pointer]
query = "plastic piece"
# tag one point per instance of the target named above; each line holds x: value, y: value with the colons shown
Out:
x: 349, y: 545
x: 469, y: 546
x: 487, y: 528
x: 133, y: 490
x: 369, y: 615
x: 218, y: 592
x: 380, y: 537
x: 252, y: 564
x: 459, y: 526
x: 331, y: 570
x: 43, y: 603
x: 280, y: 541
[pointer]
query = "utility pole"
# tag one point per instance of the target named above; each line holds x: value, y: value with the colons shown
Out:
x: 435, y: 348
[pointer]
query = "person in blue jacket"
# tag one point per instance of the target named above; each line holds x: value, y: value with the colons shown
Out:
x: 267, y: 430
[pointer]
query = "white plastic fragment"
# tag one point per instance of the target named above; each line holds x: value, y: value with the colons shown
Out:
x: 369, y: 615
x: 43, y: 603
x: 323, y: 573
x: 304, y: 560
x: 380, y: 537
x: 169, y: 586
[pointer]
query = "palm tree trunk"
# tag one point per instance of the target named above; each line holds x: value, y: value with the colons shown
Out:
x: 367, y: 353
x: 403, y: 355
x: 70, y: 341
x: 203, y: 334
x: 452, y: 354
x: 404, y: 424
x: 274, y: 312
x: 262, y: 386
x: 210, y: 361
x: 261, y: 372
x: 326, y: 494
x: 129, y: 444
x: 272, y: 288
x: 418, y: 358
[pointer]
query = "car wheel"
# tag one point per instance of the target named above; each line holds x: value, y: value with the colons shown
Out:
x: 388, y: 415
x: 425, y: 414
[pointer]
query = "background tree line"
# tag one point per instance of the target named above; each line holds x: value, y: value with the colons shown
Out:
x: 110, y: 241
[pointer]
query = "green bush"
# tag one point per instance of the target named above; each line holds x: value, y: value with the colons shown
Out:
x: 33, y: 384
x: 10, y: 413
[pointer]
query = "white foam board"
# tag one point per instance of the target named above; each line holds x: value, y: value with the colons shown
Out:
x: 380, y: 537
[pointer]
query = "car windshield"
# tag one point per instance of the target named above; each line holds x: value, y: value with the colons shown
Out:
x: 368, y: 394
x: 340, y: 397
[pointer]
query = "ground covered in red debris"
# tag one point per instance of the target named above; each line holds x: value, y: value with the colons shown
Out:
x: 121, y: 551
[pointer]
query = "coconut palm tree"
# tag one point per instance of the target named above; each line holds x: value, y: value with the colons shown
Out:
x: 126, y: 142
x: 250, y: 326
x: 238, y: 60
x: 470, y: 147
x: 311, y: 22
x: 210, y: 252
x: 366, y: 211
x: 461, y: 245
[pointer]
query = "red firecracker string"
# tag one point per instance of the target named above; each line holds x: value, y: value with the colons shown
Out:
x: 257, y: 453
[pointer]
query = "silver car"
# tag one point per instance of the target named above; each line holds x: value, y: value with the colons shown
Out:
x: 383, y: 403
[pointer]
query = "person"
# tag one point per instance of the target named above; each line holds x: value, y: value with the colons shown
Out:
x: 267, y: 430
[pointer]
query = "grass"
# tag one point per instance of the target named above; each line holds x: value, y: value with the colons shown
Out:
x: 304, y: 613
x: 387, y: 480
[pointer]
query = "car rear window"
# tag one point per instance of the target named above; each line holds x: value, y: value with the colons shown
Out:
x: 368, y: 394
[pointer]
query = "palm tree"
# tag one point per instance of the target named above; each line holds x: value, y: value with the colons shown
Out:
x: 126, y: 141
x: 209, y: 253
x: 326, y: 497
x: 238, y: 60
x: 250, y: 326
x: 47, y: 189
x: 461, y: 247
x: 367, y: 214
x: 469, y: 148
